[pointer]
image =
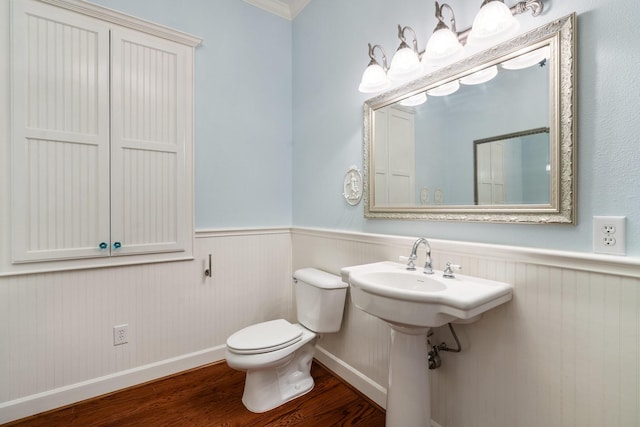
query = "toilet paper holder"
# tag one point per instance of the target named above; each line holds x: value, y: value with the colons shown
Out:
x: 208, y: 272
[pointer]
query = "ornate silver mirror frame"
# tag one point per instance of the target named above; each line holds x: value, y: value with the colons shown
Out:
x: 560, y: 36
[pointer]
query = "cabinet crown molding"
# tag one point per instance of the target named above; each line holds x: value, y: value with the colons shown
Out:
x: 119, y: 18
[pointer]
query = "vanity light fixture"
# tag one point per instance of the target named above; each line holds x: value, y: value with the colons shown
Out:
x: 374, y: 78
x: 494, y: 20
x: 443, y: 43
x: 405, y: 64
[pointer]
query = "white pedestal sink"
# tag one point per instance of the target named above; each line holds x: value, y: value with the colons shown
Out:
x: 412, y: 302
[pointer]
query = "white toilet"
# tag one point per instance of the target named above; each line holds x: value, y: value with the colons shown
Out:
x: 276, y: 354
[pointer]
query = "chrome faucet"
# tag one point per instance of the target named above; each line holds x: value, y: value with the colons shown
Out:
x: 428, y: 269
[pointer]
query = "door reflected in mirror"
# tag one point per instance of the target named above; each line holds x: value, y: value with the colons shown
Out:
x: 513, y: 168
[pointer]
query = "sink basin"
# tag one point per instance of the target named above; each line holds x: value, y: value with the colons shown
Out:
x: 400, y: 297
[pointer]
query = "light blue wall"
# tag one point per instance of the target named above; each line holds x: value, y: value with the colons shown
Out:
x: 242, y: 108
x: 330, y: 53
x: 248, y: 174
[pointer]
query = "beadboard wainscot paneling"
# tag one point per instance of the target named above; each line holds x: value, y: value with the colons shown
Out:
x: 56, y: 328
x: 564, y: 352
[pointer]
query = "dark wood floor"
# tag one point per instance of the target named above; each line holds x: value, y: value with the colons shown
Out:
x: 211, y: 396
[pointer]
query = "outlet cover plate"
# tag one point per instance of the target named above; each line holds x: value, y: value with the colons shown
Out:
x: 120, y: 334
x: 609, y: 235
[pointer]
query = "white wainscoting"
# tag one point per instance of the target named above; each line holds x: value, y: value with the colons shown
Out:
x: 56, y: 344
x: 564, y: 352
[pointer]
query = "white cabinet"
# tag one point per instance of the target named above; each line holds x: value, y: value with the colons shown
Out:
x: 101, y: 134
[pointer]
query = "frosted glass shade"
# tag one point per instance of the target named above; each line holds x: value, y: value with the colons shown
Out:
x: 445, y: 89
x: 374, y: 79
x: 481, y: 76
x: 528, y: 59
x: 414, y: 100
x: 443, y: 44
x: 405, y: 65
x: 493, y: 21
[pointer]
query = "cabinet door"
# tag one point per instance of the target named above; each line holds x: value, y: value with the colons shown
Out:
x: 150, y: 84
x: 60, y: 144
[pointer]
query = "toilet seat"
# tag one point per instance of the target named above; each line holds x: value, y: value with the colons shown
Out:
x: 264, y: 337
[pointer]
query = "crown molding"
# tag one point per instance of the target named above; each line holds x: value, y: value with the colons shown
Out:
x: 288, y: 9
x: 297, y: 6
x: 119, y: 18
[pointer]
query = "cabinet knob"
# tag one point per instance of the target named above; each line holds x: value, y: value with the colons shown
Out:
x: 117, y: 245
x: 103, y: 245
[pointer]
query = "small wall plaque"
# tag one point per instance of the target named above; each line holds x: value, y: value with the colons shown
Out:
x: 353, y: 186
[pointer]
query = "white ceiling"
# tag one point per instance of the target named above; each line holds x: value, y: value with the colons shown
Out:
x: 287, y: 9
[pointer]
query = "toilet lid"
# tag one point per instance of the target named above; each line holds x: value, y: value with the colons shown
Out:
x: 264, y: 337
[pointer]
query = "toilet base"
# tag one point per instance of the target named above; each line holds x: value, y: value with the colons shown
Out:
x: 266, y: 389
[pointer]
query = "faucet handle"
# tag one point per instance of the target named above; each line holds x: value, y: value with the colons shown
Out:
x: 448, y: 270
x: 409, y: 260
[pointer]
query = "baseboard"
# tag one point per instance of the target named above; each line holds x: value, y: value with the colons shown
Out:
x: 67, y: 395
x: 362, y: 383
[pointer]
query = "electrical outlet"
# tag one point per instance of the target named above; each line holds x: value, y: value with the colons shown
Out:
x: 120, y: 334
x: 609, y: 235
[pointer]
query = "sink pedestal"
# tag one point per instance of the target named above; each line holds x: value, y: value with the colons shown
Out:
x: 408, y: 394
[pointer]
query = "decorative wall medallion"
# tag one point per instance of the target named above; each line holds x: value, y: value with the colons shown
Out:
x: 353, y: 186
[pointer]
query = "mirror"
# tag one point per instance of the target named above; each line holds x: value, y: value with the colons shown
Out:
x: 512, y: 169
x: 494, y: 140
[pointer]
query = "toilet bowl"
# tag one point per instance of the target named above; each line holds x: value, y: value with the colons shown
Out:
x: 277, y: 354
x: 274, y: 376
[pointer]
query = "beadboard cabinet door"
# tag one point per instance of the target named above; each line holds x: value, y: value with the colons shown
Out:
x: 148, y: 88
x: 60, y: 151
x: 102, y: 137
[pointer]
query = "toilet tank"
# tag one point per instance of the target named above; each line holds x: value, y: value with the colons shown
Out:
x: 320, y: 298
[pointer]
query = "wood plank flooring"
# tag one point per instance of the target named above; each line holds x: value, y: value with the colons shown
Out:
x: 211, y: 396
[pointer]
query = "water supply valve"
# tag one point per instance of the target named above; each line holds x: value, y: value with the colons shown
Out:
x: 433, y: 358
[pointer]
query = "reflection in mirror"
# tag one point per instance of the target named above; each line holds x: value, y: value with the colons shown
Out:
x: 513, y: 168
x: 432, y: 145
